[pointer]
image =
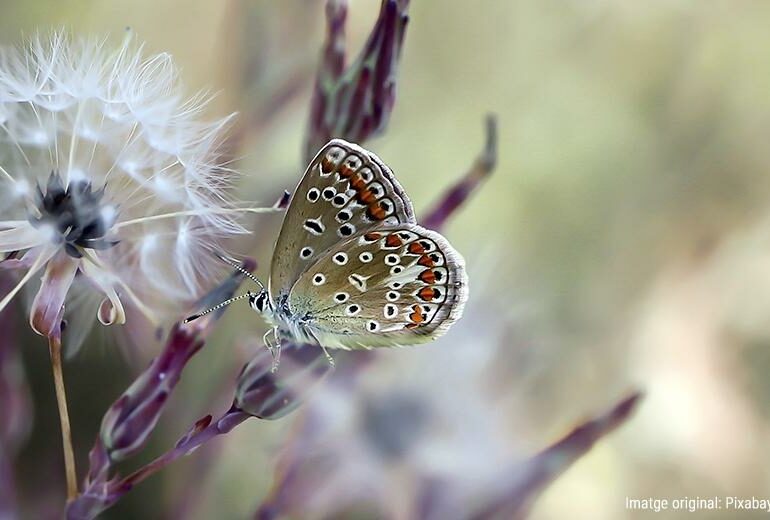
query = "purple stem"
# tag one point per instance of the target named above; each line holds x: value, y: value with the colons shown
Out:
x: 530, y: 480
x: 96, y: 499
x: 437, y: 217
x: 203, y: 431
x: 128, y: 424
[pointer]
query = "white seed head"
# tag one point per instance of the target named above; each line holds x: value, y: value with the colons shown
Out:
x: 112, y: 130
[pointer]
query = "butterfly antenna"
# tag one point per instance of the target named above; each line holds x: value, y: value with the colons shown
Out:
x: 239, y: 268
x: 217, y: 307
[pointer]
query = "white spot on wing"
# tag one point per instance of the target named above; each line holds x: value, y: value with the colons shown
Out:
x: 340, y: 258
x: 358, y: 281
x: 314, y: 226
x: 390, y: 310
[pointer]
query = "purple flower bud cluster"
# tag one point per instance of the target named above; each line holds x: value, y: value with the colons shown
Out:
x: 265, y: 394
x: 355, y: 103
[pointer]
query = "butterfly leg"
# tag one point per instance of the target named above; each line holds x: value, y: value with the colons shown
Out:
x: 266, y: 341
x: 329, y: 357
x: 276, y: 351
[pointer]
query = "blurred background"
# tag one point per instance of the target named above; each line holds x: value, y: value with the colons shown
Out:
x: 622, y: 242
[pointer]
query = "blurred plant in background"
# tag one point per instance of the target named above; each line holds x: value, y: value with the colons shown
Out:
x: 379, y: 435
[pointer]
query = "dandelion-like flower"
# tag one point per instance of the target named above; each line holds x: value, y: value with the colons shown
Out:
x: 107, y: 176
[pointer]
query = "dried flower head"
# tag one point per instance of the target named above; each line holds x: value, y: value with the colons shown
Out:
x: 107, y: 175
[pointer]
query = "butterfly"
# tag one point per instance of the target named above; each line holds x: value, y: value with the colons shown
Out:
x: 352, y: 268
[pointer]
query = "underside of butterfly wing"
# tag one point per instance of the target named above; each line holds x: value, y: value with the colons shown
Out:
x: 390, y: 286
x: 345, y: 191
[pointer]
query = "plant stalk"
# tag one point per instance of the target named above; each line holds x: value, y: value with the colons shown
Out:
x: 54, y: 346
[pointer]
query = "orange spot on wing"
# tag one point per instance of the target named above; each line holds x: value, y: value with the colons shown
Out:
x: 393, y: 241
x: 427, y: 293
x: 346, y: 171
x: 326, y: 164
x: 416, y: 248
x: 365, y: 196
x: 426, y: 261
x: 376, y: 212
x: 427, y: 276
x: 417, y: 316
x: 357, y: 183
x: 371, y: 237
x: 412, y: 326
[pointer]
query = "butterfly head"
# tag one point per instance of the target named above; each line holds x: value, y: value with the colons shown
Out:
x: 260, y: 302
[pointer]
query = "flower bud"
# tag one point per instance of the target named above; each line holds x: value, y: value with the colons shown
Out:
x: 355, y: 103
x: 130, y: 420
x: 271, y: 395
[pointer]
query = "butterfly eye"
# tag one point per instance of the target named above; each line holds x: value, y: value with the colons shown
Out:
x: 340, y: 258
x: 352, y: 310
x: 365, y: 257
x: 319, y: 279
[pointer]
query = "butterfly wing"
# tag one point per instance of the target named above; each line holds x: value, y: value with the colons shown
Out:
x: 345, y: 190
x: 390, y: 286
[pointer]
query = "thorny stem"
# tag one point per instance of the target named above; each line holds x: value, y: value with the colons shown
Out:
x: 54, y: 346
